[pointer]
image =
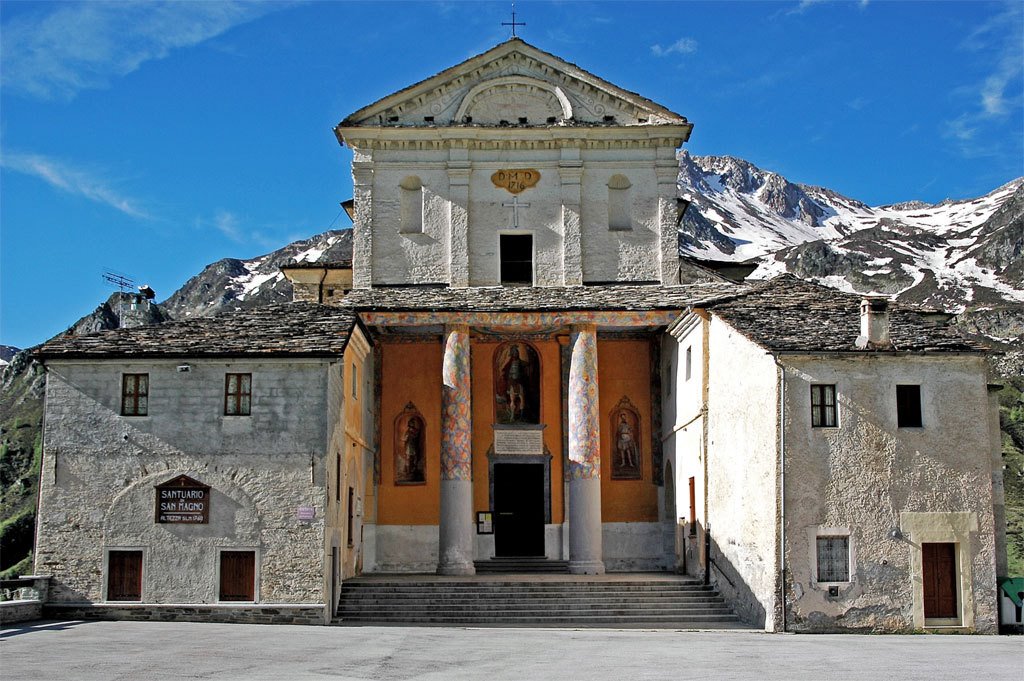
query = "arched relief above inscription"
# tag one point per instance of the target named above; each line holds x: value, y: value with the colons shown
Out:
x: 511, y: 98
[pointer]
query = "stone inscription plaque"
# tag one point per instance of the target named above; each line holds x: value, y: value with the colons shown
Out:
x: 183, y: 500
x: 516, y: 181
x: 518, y: 441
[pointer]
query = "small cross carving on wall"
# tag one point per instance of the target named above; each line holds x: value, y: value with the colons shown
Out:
x: 515, y: 205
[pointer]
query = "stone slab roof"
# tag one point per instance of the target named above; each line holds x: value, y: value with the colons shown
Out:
x: 627, y: 297
x: 283, y: 329
x: 786, y: 314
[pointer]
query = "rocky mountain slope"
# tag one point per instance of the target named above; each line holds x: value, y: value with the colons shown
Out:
x: 954, y: 255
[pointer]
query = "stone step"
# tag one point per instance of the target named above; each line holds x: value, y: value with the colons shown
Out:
x: 564, y: 613
x: 546, y: 603
x: 524, y: 565
x: 521, y: 587
x: 645, y: 620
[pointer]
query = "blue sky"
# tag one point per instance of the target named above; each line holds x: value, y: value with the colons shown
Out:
x: 156, y: 138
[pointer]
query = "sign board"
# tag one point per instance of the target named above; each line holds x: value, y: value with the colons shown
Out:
x: 183, y: 500
x: 515, y: 181
x: 519, y: 441
x: 484, y: 524
x: 306, y: 512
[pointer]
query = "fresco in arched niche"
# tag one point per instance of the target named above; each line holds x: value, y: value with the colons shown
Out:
x: 516, y: 383
x: 626, y: 450
x: 410, y: 447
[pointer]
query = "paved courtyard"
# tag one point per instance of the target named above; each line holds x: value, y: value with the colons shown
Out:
x: 86, y: 651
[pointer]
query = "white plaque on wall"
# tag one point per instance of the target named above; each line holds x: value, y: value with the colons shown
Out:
x: 520, y: 441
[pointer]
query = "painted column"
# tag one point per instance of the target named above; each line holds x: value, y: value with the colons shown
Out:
x: 455, y: 548
x: 585, y: 557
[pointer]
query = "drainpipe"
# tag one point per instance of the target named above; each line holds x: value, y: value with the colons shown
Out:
x: 782, y: 489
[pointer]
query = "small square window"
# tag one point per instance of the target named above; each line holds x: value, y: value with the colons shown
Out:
x: 833, y: 559
x: 823, y: 406
x: 237, y: 394
x: 908, y: 406
x: 135, y: 395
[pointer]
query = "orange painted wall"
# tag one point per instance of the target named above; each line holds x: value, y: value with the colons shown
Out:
x: 623, y: 369
x: 410, y: 372
x: 483, y: 350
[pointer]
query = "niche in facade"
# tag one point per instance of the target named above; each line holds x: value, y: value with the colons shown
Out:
x: 410, y: 447
x: 618, y: 203
x: 516, y: 383
x: 626, y: 451
x: 411, y: 218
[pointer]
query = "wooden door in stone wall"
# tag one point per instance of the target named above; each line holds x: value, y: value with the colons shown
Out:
x: 237, y: 575
x: 938, y: 563
x: 124, y: 576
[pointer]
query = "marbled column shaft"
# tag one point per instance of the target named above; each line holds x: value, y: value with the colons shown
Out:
x: 585, y: 541
x: 455, y: 548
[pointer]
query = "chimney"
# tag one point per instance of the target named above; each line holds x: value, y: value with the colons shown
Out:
x: 874, y: 324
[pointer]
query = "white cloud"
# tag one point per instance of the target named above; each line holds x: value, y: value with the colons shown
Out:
x: 227, y: 224
x: 71, y: 180
x: 1001, y: 39
x: 681, y: 46
x: 56, y: 50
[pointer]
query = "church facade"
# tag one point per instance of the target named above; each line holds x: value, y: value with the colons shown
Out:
x: 511, y: 367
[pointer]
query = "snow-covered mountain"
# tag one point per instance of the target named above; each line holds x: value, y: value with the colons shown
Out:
x: 954, y: 254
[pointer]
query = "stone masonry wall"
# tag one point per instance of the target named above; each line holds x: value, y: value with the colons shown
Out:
x: 867, y: 477
x: 100, y: 469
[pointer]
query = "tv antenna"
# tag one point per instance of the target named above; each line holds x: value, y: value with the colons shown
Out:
x: 123, y: 283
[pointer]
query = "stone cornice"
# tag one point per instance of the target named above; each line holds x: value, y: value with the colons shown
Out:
x: 478, y: 137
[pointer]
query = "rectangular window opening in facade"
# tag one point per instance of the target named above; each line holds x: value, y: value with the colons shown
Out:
x: 908, y: 406
x: 135, y: 395
x: 823, y: 406
x: 693, y: 507
x: 355, y: 382
x: 237, y: 576
x: 516, y: 251
x: 124, y: 576
x: 689, y: 362
x: 350, y: 521
x: 237, y: 394
x: 833, y: 559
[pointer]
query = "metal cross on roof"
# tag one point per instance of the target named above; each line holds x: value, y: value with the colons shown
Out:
x: 513, y: 23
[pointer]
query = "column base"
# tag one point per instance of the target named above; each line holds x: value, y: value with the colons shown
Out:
x: 456, y: 569
x: 586, y: 567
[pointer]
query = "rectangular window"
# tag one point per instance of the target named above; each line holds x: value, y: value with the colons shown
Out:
x: 823, y: 406
x: 908, y: 406
x: 689, y: 362
x: 124, y: 576
x: 516, y: 258
x: 135, y: 395
x: 355, y: 382
x: 351, y: 513
x: 693, y: 506
x: 237, y: 576
x: 833, y: 559
x: 337, y: 480
x: 237, y: 394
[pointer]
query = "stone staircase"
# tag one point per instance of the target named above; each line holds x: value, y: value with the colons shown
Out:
x: 550, y: 600
x: 520, y: 566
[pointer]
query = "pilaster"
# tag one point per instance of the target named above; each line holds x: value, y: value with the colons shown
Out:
x: 570, y: 172
x: 459, y: 169
x: 666, y: 168
x: 362, y: 229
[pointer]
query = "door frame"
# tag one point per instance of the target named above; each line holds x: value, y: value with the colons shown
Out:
x: 544, y: 459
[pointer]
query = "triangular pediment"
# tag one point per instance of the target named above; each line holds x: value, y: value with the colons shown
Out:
x: 513, y: 83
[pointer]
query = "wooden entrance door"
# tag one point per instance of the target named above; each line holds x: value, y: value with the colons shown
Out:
x: 519, y: 509
x: 938, y: 562
x: 237, y: 575
x: 124, y: 576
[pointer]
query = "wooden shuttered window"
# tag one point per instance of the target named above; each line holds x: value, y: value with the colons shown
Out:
x: 237, y: 394
x: 237, y: 576
x: 823, y: 406
x: 124, y: 576
x: 135, y: 394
